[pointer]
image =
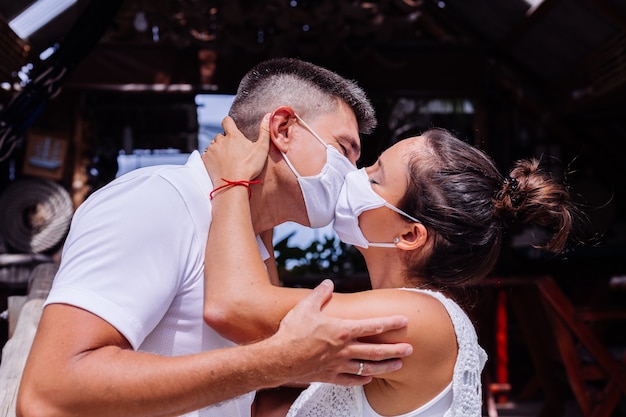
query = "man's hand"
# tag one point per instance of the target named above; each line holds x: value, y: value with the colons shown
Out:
x: 233, y: 157
x: 326, y: 349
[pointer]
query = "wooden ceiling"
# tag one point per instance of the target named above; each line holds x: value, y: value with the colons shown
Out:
x: 570, y: 52
x: 562, y: 61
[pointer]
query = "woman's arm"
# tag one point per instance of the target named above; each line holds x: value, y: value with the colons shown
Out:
x: 237, y: 285
x: 240, y: 301
x: 244, y: 306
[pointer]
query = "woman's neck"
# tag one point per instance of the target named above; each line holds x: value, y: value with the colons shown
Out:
x: 386, y: 268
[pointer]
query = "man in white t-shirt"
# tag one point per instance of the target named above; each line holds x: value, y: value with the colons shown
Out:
x: 123, y: 331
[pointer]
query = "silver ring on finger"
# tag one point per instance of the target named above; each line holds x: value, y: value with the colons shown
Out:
x: 360, y: 371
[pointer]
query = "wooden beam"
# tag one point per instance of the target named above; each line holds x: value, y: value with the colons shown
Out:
x: 13, y: 52
x: 600, y: 74
x: 538, y: 11
x: 533, y: 14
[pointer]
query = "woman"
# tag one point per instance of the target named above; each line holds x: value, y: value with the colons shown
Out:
x: 428, y: 216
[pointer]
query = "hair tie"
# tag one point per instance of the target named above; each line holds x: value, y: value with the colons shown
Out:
x: 511, y: 183
x: 510, y: 186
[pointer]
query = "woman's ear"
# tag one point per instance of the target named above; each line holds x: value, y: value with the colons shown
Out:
x: 281, y: 120
x: 414, y: 238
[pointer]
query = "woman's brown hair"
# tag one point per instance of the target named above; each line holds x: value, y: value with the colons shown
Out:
x: 465, y: 203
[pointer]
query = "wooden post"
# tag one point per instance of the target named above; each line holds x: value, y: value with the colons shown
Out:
x: 15, y: 351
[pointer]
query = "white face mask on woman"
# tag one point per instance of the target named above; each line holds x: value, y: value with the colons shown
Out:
x: 357, y: 196
x: 321, y: 191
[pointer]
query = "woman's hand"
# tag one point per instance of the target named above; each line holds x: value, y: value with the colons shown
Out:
x: 235, y: 158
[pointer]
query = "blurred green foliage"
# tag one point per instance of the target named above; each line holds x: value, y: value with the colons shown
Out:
x: 324, y: 258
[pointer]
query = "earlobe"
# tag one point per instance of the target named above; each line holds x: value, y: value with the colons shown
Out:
x: 414, y: 238
x: 281, y: 121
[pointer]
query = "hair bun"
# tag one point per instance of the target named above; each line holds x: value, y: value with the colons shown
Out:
x: 531, y: 195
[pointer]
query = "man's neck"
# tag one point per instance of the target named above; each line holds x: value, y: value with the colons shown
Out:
x: 276, y: 201
x: 269, y: 209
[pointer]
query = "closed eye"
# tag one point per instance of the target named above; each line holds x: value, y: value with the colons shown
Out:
x: 349, y: 147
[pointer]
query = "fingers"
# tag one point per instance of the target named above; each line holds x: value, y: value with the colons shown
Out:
x: 230, y: 129
x: 229, y: 126
x: 263, y: 141
x: 215, y: 140
x: 361, y: 372
x: 375, y: 326
x: 367, y: 371
x: 379, y: 351
x: 264, y: 129
x: 378, y: 368
x: 349, y: 380
x: 320, y: 295
x: 231, y: 155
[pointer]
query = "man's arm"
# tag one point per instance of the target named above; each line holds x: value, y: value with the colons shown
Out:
x: 80, y: 365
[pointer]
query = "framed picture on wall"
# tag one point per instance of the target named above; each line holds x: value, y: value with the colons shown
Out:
x: 45, y: 155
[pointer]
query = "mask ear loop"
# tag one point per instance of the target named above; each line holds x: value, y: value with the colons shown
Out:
x: 397, y: 210
x: 394, y: 208
x: 311, y: 131
x: 293, y: 169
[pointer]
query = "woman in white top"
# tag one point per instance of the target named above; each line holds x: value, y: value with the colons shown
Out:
x: 428, y: 216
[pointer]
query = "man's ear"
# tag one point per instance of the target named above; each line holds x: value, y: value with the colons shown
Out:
x: 281, y: 120
x: 414, y: 238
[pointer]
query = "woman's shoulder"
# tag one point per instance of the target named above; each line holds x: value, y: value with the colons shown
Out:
x: 429, y: 369
x: 437, y: 300
x: 429, y: 316
x: 419, y: 306
x: 416, y: 305
x: 430, y: 326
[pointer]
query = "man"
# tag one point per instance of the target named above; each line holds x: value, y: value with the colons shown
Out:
x: 123, y: 333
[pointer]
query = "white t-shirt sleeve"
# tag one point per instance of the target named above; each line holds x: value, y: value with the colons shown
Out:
x: 126, y: 255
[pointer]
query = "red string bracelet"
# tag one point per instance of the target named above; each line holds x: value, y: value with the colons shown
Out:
x: 244, y: 183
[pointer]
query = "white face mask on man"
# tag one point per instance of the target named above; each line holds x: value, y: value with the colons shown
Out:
x: 357, y: 196
x: 321, y: 191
